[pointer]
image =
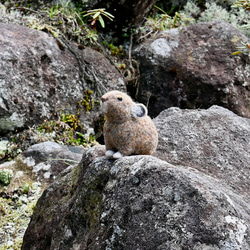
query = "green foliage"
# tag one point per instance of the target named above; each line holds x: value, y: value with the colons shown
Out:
x: 59, y: 130
x: 115, y: 50
x: 61, y: 20
x: 245, y: 49
x: 242, y: 11
x: 65, y: 20
x: 25, y: 188
x: 40, y: 25
x: 63, y: 131
x: 53, y: 11
x: 165, y: 21
x: 10, y: 151
x: 5, y: 176
x: 96, y: 15
x: 235, y: 13
x: 72, y: 120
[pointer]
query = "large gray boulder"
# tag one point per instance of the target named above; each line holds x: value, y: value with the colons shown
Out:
x: 40, y: 77
x: 41, y: 162
x: 214, y: 141
x: 142, y: 202
x: 193, y: 67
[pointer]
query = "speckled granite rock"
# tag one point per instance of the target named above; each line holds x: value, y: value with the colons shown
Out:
x: 142, y: 202
x: 194, y: 68
x: 39, y: 78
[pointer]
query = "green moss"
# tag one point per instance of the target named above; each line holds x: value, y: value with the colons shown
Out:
x: 92, y: 211
x: 88, y: 102
x: 93, y: 202
x: 72, y: 120
x: 116, y: 51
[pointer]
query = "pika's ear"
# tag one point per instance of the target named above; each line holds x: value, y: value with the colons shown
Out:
x: 139, y: 110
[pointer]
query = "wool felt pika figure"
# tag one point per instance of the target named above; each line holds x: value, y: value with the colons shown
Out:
x: 128, y: 130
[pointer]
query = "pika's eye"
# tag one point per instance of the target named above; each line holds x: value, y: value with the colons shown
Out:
x: 119, y: 98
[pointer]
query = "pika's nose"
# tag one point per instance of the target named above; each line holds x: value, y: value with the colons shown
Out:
x: 104, y: 99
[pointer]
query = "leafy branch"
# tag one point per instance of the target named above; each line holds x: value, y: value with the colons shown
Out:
x: 96, y: 15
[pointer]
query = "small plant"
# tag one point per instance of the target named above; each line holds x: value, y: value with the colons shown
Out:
x: 64, y: 131
x: 6, y: 176
x: 96, y: 15
x: 116, y: 51
x: 164, y: 21
x: 243, y: 49
x: 242, y: 3
x: 165, y: 18
x: 63, y: 20
x: 40, y: 25
x: 25, y: 188
x: 71, y: 120
x: 53, y: 11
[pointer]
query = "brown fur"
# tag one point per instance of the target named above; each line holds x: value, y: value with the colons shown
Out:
x: 128, y: 129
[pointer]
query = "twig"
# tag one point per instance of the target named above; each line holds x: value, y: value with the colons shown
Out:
x: 130, y: 49
x: 24, y: 8
x: 140, y: 38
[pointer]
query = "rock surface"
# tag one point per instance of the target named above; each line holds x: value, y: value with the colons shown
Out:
x: 194, y: 67
x: 39, y: 78
x: 42, y: 162
x: 16, y: 211
x: 31, y: 172
x: 49, y: 159
x: 214, y: 141
x: 142, y: 202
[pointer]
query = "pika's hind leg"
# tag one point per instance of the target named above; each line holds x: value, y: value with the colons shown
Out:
x: 109, y: 153
x: 117, y: 155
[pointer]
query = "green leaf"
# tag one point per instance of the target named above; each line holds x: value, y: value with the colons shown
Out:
x: 101, y: 21
x: 236, y: 53
x: 96, y: 14
x: 160, y: 9
x: 108, y: 15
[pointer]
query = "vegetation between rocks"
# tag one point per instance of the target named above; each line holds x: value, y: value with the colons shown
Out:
x: 15, y: 212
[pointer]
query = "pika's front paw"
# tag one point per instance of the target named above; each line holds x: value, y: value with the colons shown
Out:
x: 117, y: 155
x: 112, y: 154
x: 109, y: 153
